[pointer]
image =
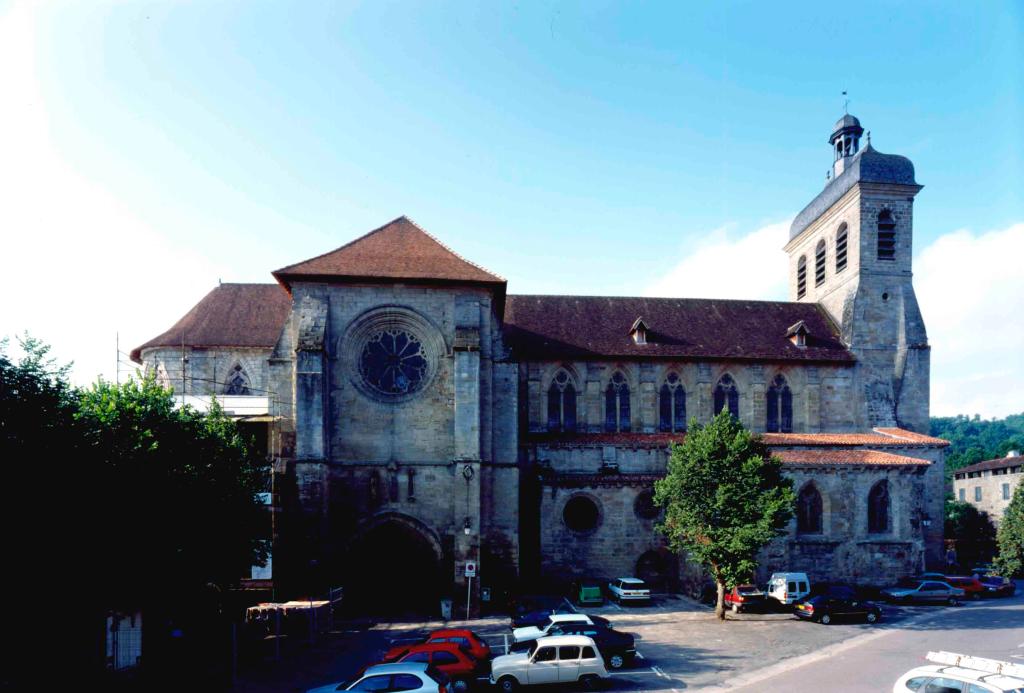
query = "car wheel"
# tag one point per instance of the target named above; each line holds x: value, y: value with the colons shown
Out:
x: 735, y: 608
x: 872, y: 617
x: 460, y: 686
x: 508, y: 684
x: 952, y: 601
x: 589, y: 682
x: 616, y: 661
x: 825, y: 619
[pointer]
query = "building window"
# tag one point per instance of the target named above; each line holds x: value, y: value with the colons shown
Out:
x: 672, y: 405
x: 581, y: 514
x: 562, y: 404
x: 1006, y: 492
x: 393, y: 362
x: 808, y: 511
x: 963, y: 495
x: 616, y: 404
x: 780, y: 406
x: 726, y: 395
x: 644, y: 506
x: 841, y: 239
x: 801, y: 277
x: 878, y: 508
x: 237, y: 382
x: 977, y: 493
x: 886, y: 236
x: 819, y: 263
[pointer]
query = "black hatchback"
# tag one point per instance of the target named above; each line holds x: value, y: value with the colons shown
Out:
x: 617, y: 649
x: 825, y: 609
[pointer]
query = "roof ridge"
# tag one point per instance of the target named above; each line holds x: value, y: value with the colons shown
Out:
x: 354, y: 240
x: 449, y: 249
x: 666, y: 298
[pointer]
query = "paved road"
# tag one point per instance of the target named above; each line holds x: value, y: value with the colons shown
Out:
x: 992, y: 629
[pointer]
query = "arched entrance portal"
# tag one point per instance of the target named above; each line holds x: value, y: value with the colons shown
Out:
x: 394, y: 568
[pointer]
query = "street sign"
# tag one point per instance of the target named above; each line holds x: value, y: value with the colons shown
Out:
x: 470, y: 569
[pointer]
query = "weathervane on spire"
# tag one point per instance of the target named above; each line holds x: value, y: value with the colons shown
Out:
x: 846, y: 104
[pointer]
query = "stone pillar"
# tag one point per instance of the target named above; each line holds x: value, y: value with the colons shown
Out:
x: 757, y: 416
x: 310, y: 377
x: 705, y: 400
x: 466, y: 503
x: 812, y: 402
x: 594, y: 399
x: 647, y: 402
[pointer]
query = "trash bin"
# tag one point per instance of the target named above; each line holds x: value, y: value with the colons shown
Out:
x: 446, y: 609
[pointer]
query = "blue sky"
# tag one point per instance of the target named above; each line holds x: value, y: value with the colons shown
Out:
x: 613, y: 148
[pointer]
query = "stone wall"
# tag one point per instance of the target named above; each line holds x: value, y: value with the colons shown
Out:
x: 206, y: 369
x: 989, y: 483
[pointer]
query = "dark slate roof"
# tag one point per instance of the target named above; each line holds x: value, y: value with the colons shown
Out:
x: 232, y: 315
x: 868, y: 166
x: 987, y: 465
x: 553, y: 327
x: 847, y: 121
x: 398, y: 250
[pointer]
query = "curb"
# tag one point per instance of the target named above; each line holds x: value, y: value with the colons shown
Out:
x: 768, y: 672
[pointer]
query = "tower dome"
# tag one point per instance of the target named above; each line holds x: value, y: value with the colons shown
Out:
x: 845, y: 141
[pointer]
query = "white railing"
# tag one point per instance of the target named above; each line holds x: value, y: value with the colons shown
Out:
x: 237, y: 406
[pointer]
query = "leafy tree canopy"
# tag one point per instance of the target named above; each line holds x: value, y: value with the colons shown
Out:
x: 973, y: 439
x: 972, y: 530
x: 725, y: 498
x: 1010, y: 561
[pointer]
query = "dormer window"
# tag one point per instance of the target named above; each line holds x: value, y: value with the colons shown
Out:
x: 797, y: 334
x: 639, y: 331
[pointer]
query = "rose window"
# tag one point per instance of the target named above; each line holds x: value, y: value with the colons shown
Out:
x: 393, y: 362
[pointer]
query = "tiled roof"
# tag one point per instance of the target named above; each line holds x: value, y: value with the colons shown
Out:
x: 235, y: 315
x: 398, y: 250
x: 555, y: 327
x: 839, y: 457
x: 888, y: 437
x: 998, y: 463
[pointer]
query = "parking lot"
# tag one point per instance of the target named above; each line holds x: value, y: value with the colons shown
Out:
x: 680, y: 644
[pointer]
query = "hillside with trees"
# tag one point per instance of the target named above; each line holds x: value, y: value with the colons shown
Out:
x: 973, y: 439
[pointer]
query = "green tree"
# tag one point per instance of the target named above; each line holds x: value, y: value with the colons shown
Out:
x: 972, y: 530
x: 1010, y: 538
x: 725, y: 499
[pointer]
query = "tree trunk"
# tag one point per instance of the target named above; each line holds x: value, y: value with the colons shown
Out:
x: 720, y: 604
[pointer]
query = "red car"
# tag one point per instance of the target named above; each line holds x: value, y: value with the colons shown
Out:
x: 463, y: 668
x: 743, y: 597
x: 467, y: 640
x: 972, y: 587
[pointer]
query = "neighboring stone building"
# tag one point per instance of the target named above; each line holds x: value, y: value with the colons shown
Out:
x: 420, y: 418
x: 989, y: 485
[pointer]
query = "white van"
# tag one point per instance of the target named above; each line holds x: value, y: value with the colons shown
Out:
x: 789, y: 588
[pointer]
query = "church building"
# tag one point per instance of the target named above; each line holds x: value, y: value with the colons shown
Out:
x: 420, y: 417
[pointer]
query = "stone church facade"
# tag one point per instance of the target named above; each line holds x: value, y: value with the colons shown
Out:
x: 419, y: 417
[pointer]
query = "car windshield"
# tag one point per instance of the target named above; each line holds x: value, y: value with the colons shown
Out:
x: 638, y: 585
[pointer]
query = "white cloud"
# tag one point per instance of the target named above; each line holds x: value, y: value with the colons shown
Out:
x: 725, y: 265
x: 78, y: 266
x: 971, y: 290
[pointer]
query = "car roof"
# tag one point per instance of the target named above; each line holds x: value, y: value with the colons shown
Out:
x: 433, y: 647
x: 631, y: 580
x: 565, y: 640
x: 976, y: 675
x: 559, y: 618
x: 396, y: 668
x: 451, y: 631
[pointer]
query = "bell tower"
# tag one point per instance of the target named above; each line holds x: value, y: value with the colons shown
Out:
x: 850, y: 251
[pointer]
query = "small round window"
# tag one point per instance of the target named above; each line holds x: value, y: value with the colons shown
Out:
x: 644, y: 505
x: 581, y: 514
x: 393, y: 362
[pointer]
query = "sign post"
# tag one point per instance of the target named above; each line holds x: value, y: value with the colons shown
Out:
x: 470, y: 574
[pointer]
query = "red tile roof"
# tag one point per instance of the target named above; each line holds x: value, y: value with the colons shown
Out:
x: 840, y: 457
x: 398, y: 250
x: 998, y: 463
x: 553, y: 327
x: 893, y: 437
x: 237, y: 315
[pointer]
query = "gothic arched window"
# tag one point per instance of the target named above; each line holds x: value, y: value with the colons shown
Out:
x: 672, y: 405
x: 616, y: 404
x: 237, y: 382
x: 842, y: 236
x: 886, y: 236
x: 801, y: 277
x: 819, y: 263
x: 562, y: 404
x: 878, y: 508
x: 780, y: 406
x: 726, y: 394
x: 808, y: 510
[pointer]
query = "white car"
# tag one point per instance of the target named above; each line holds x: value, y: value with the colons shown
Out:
x: 557, y: 659
x: 629, y: 589
x: 414, y: 677
x: 527, y: 633
x: 957, y: 672
x: 788, y: 588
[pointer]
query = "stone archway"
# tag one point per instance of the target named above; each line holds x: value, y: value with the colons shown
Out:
x: 393, y: 566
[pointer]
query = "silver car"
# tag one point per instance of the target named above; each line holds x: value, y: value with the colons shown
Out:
x: 415, y: 677
x: 924, y: 591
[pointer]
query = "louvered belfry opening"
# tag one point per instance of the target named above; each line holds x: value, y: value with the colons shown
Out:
x: 886, y: 236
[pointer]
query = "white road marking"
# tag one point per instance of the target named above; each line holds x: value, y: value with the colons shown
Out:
x: 659, y: 672
x: 631, y: 673
x: 616, y: 606
x: 640, y: 656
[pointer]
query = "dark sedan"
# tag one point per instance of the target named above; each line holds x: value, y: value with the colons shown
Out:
x: 617, y: 648
x: 539, y: 618
x: 826, y: 610
x: 998, y: 586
